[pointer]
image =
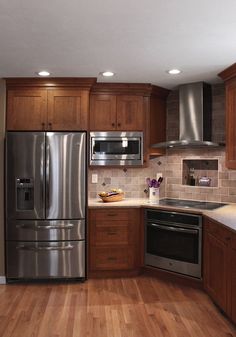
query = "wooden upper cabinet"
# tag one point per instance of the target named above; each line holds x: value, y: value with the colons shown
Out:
x: 116, y: 112
x: 229, y: 76
x: 60, y: 104
x: 131, y: 107
x: 68, y: 109
x: 26, y: 109
x: 231, y: 125
x: 130, y: 114
x: 102, y: 112
x: 118, y: 107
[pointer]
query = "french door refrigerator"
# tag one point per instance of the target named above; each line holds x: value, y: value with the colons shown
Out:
x: 45, y: 205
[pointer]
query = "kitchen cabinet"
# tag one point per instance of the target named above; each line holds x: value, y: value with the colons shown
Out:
x: 121, y: 112
x: 56, y: 104
x: 229, y: 76
x: 26, y: 109
x: 114, y: 240
x: 232, y: 292
x: 219, y: 266
x: 130, y: 107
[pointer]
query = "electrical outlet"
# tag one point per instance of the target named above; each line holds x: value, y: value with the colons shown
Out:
x: 158, y: 175
x: 94, y: 178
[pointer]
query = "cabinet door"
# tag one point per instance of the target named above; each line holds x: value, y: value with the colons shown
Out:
x: 102, y: 112
x: 232, y: 295
x: 231, y: 125
x: 215, y: 269
x: 26, y: 109
x: 130, y: 113
x: 68, y: 109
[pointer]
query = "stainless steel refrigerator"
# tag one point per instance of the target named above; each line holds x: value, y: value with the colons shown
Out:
x: 45, y: 205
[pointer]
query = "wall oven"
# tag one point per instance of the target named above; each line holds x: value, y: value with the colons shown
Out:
x: 116, y: 148
x: 173, y: 241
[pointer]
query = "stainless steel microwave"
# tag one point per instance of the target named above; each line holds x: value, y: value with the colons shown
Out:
x: 116, y: 148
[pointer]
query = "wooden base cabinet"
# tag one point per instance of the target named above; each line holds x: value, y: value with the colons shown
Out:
x: 55, y: 104
x: 114, y: 240
x: 219, y: 266
x: 232, y: 294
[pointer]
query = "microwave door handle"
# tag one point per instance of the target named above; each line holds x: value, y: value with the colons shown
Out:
x: 176, y: 229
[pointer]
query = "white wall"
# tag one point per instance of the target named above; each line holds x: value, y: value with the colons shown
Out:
x: 2, y: 135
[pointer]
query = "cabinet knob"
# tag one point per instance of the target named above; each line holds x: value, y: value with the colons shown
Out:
x: 112, y: 124
x: 227, y: 238
x: 50, y: 126
x: 119, y: 124
x: 43, y: 126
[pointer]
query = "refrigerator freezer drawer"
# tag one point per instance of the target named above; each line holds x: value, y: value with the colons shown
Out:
x: 39, y: 260
x: 54, y: 230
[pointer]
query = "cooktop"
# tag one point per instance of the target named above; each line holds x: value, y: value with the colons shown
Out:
x: 191, y: 203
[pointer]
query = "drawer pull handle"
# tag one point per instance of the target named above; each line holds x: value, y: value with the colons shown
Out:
x: 47, y: 248
x: 39, y: 227
x: 112, y: 233
x: 112, y: 214
x: 227, y: 238
x: 111, y: 258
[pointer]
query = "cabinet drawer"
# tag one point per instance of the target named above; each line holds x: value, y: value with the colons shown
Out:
x: 218, y: 231
x: 111, y: 235
x: 112, y: 258
x: 111, y: 214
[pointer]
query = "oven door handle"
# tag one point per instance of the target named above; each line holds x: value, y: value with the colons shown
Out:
x: 176, y: 229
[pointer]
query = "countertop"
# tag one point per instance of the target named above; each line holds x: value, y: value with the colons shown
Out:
x: 225, y: 214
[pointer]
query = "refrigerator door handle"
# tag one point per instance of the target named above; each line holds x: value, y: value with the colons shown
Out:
x: 42, y: 179
x: 47, y: 177
x: 47, y: 248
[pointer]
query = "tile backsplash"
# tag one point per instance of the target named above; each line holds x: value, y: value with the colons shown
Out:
x: 132, y: 180
x: 224, y: 192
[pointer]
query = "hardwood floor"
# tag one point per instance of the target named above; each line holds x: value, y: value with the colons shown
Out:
x: 142, y: 306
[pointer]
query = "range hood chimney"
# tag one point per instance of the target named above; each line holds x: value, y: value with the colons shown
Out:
x: 194, y: 117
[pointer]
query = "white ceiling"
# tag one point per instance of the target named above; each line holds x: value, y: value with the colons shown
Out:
x: 138, y: 40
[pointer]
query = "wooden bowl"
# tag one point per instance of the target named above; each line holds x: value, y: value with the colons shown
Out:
x: 112, y: 198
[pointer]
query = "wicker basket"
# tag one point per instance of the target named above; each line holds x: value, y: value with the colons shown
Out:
x: 111, y: 198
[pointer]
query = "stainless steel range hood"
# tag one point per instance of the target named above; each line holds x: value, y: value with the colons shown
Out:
x: 194, y: 117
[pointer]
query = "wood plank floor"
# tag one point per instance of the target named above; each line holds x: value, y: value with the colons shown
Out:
x: 138, y: 307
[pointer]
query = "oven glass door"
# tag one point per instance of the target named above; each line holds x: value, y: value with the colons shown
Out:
x: 172, y: 242
x: 123, y: 148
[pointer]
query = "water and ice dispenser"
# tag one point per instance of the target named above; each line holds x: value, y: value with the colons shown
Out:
x: 25, y: 194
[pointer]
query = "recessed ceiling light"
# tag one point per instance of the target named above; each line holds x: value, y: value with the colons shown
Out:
x: 43, y: 73
x: 174, y: 71
x: 107, y: 73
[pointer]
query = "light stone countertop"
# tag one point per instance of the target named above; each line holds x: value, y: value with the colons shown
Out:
x: 225, y: 215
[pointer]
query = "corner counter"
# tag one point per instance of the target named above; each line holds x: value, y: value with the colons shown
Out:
x: 226, y: 215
